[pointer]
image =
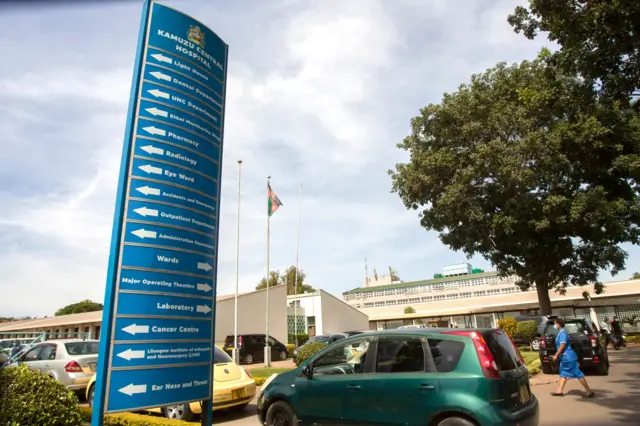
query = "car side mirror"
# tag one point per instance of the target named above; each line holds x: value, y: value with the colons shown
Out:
x: 307, y: 371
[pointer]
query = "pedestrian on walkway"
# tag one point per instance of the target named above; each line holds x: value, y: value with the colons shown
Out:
x: 568, y: 358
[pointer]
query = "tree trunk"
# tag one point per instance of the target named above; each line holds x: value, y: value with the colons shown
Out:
x: 543, y: 298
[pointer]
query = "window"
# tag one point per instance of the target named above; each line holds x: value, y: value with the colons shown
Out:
x: 48, y: 353
x: 33, y: 354
x: 503, y: 351
x: 400, y: 355
x: 348, y: 358
x: 220, y: 356
x: 446, y: 354
x: 82, y: 348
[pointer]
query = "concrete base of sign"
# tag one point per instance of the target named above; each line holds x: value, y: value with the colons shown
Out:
x: 235, y: 354
x: 267, y: 356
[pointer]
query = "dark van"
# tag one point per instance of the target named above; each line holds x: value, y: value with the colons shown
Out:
x: 251, y: 348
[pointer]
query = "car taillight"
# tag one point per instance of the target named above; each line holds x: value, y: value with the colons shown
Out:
x: 594, y: 341
x: 543, y: 342
x: 73, y: 367
x: 248, y: 374
x: 239, y: 342
x: 487, y: 362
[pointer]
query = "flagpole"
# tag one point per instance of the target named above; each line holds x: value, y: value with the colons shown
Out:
x: 267, y: 351
x: 295, y: 297
x: 236, y: 352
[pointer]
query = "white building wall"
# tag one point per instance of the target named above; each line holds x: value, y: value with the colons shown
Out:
x: 252, y: 314
x: 338, y: 316
x: 311, y: 304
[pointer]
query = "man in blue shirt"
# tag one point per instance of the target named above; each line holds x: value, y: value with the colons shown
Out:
x: 568, y: 358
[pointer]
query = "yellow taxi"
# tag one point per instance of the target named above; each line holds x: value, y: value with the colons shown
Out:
x: 233, y: 388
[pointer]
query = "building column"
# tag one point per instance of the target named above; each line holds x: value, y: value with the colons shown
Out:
x: 495, y: 320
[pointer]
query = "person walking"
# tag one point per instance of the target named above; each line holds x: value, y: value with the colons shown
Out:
x: 568, y: 358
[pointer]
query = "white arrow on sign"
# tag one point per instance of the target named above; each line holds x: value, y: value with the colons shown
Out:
x: 160, y: 76
x: 204, y: 266
x: 144, y: 211
x: 152, y: 150
x: 204, y: 287
x: 203, y: 309
x: 151, y: 169
x: 133, y: 389
x: 147, y: 190
x: 161, y: 58
x: 160, y: 112
x: 143, y: 233
x: 154, y: 130
x: 134, y: 329
x: 131, y: 354
x: 159, y: 93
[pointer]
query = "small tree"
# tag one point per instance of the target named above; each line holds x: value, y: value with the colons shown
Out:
x: 409, y: 310
x: 636, y: 276
x: 527, y: 330
x: 509, y: 325
x: 419, y: 321
x: 309, y: 350
x: 77, y: 308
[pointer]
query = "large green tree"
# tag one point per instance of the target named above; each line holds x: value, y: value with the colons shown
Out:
x: 76, y: 308
x: 598, y: 39
x: 524, y: 166
x: 288, y: 278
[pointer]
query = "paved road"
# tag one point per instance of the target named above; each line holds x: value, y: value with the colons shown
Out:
x: 617, y: 401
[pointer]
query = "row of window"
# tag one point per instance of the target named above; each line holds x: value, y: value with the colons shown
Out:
x: 463, y: 283
x: 440, y: 297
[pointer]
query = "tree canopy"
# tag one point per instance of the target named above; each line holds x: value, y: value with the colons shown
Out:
x: 288, y: 278
x: 409, y: 310
x: 526, y: 167
x: 599, y: 40
x: 76, y: 308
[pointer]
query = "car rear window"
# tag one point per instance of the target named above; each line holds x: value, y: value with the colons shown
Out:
x: 446, y: 354
x: 570, y: 327
x: 220, y: 356
x: 82, y: 348
x: 503, y: 351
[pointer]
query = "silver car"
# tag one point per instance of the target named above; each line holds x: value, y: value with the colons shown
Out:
x: 71, y: 362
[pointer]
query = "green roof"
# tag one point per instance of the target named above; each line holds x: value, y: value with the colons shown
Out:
x: 424, y: 282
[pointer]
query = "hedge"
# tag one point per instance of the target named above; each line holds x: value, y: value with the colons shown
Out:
x: 131, y: 419
x: 290, y: 349
x: 510, y: 325
x: 28, y: 397
x: 308, y: 351
x: 302, y: 339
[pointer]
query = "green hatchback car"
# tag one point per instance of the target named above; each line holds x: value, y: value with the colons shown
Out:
x: 423, y: 376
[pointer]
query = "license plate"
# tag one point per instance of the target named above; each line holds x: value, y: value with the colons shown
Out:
x: 237, y: 394
x: 525, y: 395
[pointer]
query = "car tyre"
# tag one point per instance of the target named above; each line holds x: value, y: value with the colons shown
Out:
x: 546, y: 369
x: 603, y: 369
x: 248, y: 359
x: 178, y: 412
x: 92, y: 393
x: 283, y: 355
x: 456, y: 421
x: 281, y: 414
x: 535, y: 344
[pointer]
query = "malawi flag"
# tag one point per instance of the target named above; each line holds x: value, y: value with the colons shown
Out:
x: 274, y: 202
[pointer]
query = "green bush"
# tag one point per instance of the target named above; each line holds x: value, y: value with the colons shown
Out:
x: 130, y: 419
x: 302, y: 339
x: 309, y: 350
x: 28, y: 398
x: 290, y: 349
x: 527, y: 330
x: 510, y: 325
x: 632, y: 339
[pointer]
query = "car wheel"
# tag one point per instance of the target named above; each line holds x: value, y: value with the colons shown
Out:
x: 238, y: 408
x: 456, y: 421
x: 546, y: 369
x: 535, y: 344
x: 92, y: 393
x: 178, y: 412
x: 603, y: 369
x: 283, y: 355
x: 281, y: 414
x: 248, y: 359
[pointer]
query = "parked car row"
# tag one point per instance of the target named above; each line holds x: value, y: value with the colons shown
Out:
x: 251, y: 348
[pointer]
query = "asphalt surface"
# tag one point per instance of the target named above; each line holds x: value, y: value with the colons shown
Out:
x: 617, y: 399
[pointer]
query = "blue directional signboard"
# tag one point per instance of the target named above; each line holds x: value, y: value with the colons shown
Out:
x: 159, y: 318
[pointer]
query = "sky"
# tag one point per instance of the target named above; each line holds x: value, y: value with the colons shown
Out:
x: 319, y: 94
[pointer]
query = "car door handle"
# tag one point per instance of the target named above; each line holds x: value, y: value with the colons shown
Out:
x: 426, y: 387
x: 47, y: 365
x: 354, y: 387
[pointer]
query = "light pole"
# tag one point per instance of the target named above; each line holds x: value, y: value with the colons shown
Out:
x: 236, y: 351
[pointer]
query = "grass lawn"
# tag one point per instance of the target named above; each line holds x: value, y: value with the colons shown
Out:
x: 264, y: 373
x: 529, y: 357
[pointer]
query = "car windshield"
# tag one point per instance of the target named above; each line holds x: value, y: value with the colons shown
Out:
x: 82, y: 348
x: 220, y: 356
x: 571, y: 327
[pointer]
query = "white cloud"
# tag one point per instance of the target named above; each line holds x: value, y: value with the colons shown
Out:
x: 318, y: 93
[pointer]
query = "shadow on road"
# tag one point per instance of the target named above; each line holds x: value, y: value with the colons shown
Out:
x: 226, y: 416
